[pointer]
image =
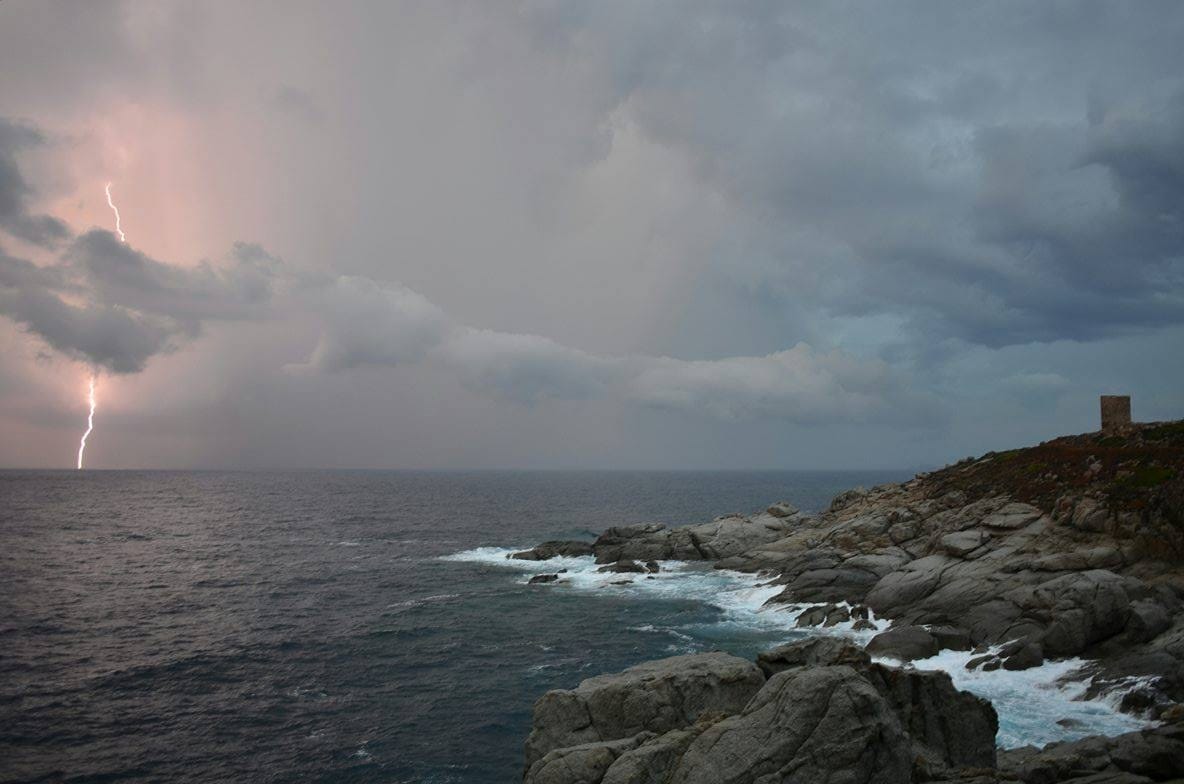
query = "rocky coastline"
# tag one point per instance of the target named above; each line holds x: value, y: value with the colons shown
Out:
x: 1072, y: 548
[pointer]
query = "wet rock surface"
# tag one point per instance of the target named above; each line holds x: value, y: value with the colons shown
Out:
x: 624, y: 566
x: 904, y: 643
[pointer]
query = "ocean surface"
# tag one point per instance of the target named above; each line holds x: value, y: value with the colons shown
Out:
x: 364, y: 626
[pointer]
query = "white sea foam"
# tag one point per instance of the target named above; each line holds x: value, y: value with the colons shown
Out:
x: 1029, y: 702
x: 843, y: 628
x: 497, y: 556
x: 740, y: 596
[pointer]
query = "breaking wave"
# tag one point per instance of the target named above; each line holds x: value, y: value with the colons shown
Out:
x: 1035, y: 706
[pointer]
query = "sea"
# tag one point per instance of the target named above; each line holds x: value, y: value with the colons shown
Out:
x: 366, y: 626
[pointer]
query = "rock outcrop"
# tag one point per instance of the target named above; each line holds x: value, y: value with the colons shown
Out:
x: 1073, y: 548
x: 1148, y: 755
x: 655, y: 697
x: 724, y: 537
x: 806, y: 725
x: 573, y: 548
x: 904, y: 643
x: 826, y: 713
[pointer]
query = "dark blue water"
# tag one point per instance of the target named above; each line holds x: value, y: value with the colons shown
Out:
x: 303, y: 627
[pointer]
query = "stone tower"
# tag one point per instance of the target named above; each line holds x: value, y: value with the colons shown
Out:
x: 1116, y: 412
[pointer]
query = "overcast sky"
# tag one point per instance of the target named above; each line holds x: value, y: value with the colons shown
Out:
x: 572, y: 234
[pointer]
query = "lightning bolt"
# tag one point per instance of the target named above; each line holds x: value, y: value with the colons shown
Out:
x: 90, y: 422
x: 115, y: 209
x: 90, y: 418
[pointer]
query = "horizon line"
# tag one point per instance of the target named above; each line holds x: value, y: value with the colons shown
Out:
x: 459, y: 470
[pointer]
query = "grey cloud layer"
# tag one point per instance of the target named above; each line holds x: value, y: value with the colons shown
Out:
x: 108, y: 305
x: 1001, y: 175
x: 102, y: 301
x: 370, y: 324
x: 118, y: 275
x: 15, y: 192
x: 759, y: 213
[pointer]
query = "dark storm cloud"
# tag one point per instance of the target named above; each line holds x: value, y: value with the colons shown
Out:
x: 110, y: 306
x: 1140, y: 144
x: 102, y: 335
x: 102, y: 301
x: 15, y: 192
x: 120, y: 275
x: 973, y: 172
x: 626, y: 232
x: 107, y: 304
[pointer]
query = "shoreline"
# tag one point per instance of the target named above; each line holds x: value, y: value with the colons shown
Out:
x: 1061, y: 559
x: 744, y: 601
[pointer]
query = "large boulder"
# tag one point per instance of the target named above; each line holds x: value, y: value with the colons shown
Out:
x: 1021, y: 655
x: 825, y: 714
x: 724, y: 537
x: 949, y: 729
x: 732, y: 535
x: 844, y: 583
x: 555, y: 549
x: 904, y: 643
x: 645, y: 542
x: 656, y: 696
x: 623, y: 567
x: 806, y: 725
